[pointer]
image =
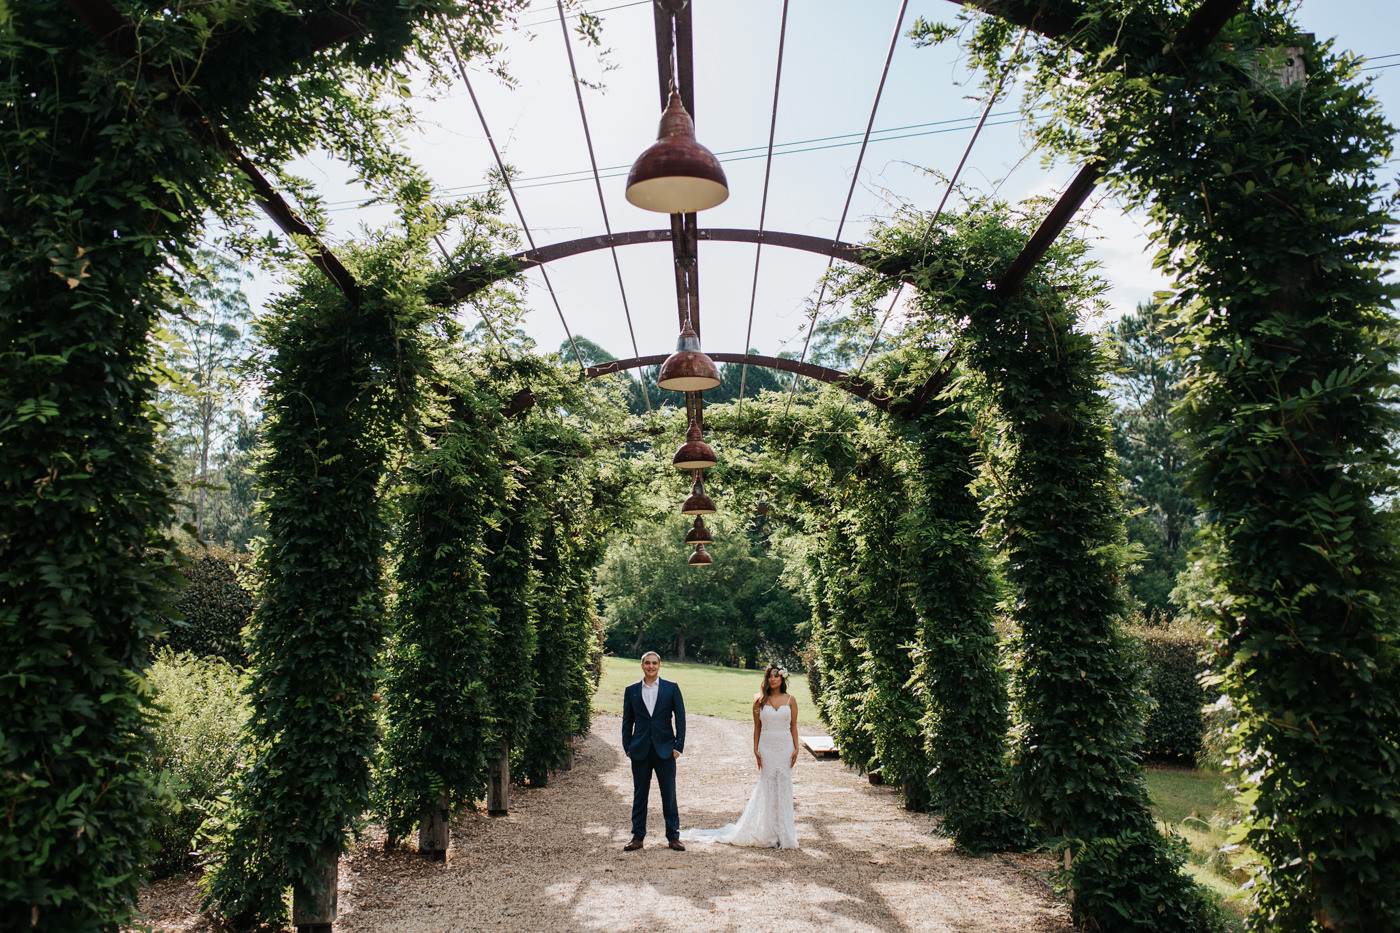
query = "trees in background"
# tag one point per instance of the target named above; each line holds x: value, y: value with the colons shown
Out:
x: 737, y: 611
x: 1152, y: 457
x: 209, y: 436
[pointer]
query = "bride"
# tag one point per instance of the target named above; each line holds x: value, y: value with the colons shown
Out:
x: 767, y: 820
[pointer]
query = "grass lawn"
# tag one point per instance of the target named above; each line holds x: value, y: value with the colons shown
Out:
x: 1196, y: 806
x: 726, y: 692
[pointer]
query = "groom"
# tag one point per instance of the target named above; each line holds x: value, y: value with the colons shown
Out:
x: 653, y: 744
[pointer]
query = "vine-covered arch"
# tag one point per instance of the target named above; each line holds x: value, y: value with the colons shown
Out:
x: 1266, y: 208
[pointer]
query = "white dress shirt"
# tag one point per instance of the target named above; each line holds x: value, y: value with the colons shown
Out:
x: 649, y: 695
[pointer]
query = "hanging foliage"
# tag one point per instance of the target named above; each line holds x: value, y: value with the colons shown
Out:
x: 1266, y: 209
x: 958, y: 665
x: 1053, y: 512
x: 344, y: 392
x: 439, y: 725
x: 107, y: 183
x: 879, y: 584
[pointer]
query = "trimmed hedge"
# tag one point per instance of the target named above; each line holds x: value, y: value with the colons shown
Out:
x: 1174, y: 655
x: 212, y: 610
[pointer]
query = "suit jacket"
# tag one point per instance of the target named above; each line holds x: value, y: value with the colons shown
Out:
x: 643, y: 732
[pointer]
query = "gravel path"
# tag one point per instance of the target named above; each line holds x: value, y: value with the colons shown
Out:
x: 556, y: 864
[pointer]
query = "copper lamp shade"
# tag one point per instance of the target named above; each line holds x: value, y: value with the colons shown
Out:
x: 694, y: 454
x: 698, y: 533
x: 697, y: 503
x: 676, y: 175
x: 700, y: 558
x: 688, y: 369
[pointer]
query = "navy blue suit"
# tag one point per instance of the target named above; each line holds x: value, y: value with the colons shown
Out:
x: 649, y: 740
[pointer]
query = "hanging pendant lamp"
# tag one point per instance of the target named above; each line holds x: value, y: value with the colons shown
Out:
x: 698, y: 503
x: 694, y: 454
x: 700, y: 558
x: 688, y: 369
x: 698, y: 533
x: 676, y: 175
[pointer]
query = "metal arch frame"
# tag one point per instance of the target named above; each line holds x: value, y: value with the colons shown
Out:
x: 467, y: 283
x: 861, y: 388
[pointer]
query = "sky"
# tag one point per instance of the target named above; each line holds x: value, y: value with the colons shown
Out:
x: 833, y: 54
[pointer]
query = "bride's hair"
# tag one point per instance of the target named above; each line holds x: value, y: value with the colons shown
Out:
x: 782, y: 687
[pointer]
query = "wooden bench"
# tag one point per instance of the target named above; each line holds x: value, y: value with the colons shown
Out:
x: 821, y: 746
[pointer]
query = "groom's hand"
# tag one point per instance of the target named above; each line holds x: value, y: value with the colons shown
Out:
x: 675, y: 754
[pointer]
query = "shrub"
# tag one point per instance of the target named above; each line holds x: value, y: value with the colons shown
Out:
x: 199, y: 712
x: 596, y: 651
x: 811, y: 664
x: 1173, y: 653
x: 213, y: 608
x: 1132, y: 881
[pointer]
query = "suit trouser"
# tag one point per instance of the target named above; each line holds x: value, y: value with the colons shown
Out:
x: 665, y: 769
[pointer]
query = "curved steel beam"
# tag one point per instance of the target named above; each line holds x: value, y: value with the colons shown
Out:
x: 465, y: 284
x: 852, y: 384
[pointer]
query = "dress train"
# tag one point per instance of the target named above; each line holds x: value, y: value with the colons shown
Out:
x: 767, y: 820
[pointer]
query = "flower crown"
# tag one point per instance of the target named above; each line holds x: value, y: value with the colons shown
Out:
x: 782, y: 671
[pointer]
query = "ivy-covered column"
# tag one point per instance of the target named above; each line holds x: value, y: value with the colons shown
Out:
x: 89, y: 220
x: 560, y: 655
x: 83, y: 503
x: 958, y: 667
x: 439, y: 723
x: 1261, y: 182
x: 1279, y: 234
x: 580, y: 510
x: 891, y: 713
x: 341, y: 394
x: 511, y: 578
x: 842, y: 647
x: 1056, y: 516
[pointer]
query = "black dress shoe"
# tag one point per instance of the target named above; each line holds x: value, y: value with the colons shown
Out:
x: 676, y: 844
x: 632, y: 846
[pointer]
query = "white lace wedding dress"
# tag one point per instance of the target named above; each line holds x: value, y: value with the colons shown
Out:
x: 767, y: 821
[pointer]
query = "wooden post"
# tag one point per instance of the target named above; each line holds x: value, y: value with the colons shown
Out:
x: 1278, y: 68
x: 435, y: 831
x: 314, y: 908
x: 498, y: 791
x: 568, y: 763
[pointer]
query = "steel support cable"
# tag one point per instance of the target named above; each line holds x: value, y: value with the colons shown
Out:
x: 855, y: 179
x: 947, y: 192
x: 763, y: 205
x: 598, y: 183
x: 505, y: 180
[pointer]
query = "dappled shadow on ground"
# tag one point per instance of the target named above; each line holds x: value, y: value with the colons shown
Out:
x: 555, y: 864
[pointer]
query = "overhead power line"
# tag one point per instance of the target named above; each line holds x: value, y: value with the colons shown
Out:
x: 1005, y: 118
x: 592, y: 159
